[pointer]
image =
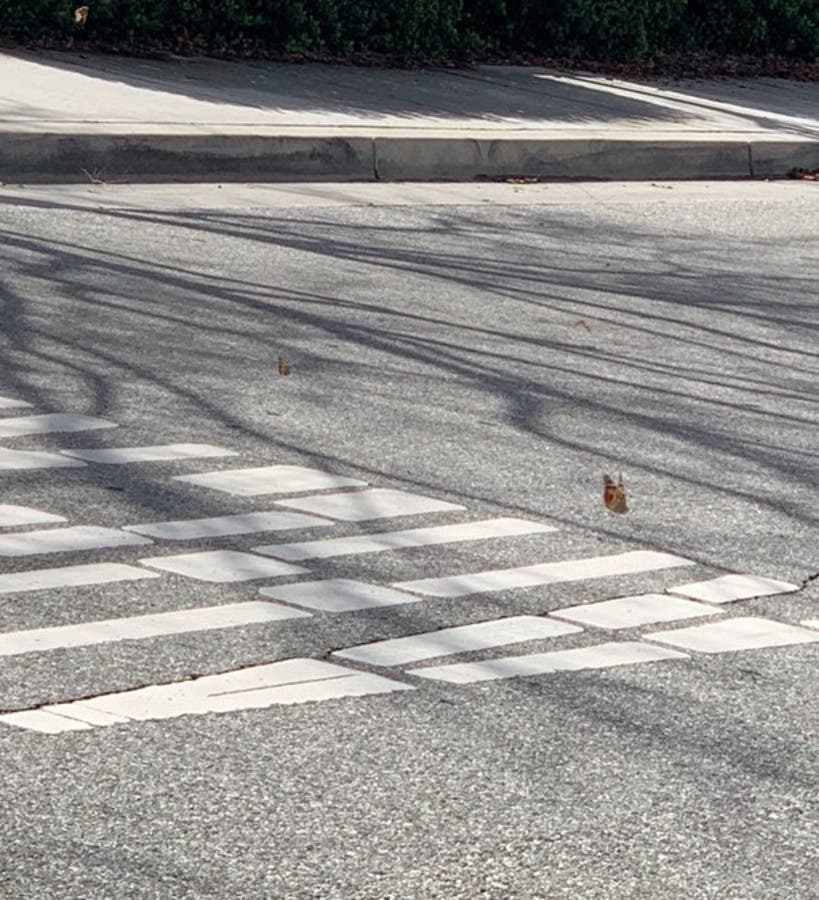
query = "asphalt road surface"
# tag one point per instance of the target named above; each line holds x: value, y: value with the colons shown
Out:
x: 184, y: 715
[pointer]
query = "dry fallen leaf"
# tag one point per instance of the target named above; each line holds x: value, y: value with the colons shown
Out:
x: 284, y: 366
x: 614, y: 495
x: 80, y: 15
x: 582, y: 323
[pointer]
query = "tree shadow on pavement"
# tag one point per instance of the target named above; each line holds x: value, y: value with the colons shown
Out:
x: 320, y: 94
x: 102, y: 87
x: 593, y: 337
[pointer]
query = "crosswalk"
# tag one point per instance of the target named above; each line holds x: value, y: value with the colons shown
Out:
x: 399, y: 540
x: 12, y: 403
x: 183, y: 621
x: 72, y: 539
x: 71, y: 576
x: 12, y: 516
x: 304, y: 498
x: 546, y: 573
x: 36, y: 459
x: 287, y: 682
x: 227, y: 526
x: 24, y: 426
x: 120, y: 456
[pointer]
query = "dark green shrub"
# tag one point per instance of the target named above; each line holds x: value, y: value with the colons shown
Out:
x: 594, y: 29
x: 785, y: 27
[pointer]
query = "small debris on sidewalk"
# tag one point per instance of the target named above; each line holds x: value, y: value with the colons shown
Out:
x: 284, y: 366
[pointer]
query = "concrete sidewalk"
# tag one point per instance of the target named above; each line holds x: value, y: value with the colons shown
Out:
x: 67, y: 117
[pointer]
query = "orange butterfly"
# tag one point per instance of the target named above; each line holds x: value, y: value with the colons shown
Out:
x: 614, y: 495
x: 80, y: 15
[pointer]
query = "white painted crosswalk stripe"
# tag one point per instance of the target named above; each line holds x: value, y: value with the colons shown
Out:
x: 462, y: 639
x: 71, y: 576
x: 11, y: 403
x: 257, y: 687
x: 181, y: 621
x: 545, y: 573
x: 12, y: 516
x: 221, y: 526
x: 729, y: 635
x: 600, y: 656
x: 728, y: 588
x: 632, y: 612
x: 334, y: 498
x: 50, y: 423
x: 67, y: 540
x: 35, y: 459
x: 160, y: 453
x: 377, y: 503
x: 222, y: 566
x: 269, y: 480
x: 43, y: 720
x: 397, y: 540
x: 337, y: 595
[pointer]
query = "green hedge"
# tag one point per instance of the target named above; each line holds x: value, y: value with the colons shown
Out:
x: 592, y: 29
x: 340, y: 27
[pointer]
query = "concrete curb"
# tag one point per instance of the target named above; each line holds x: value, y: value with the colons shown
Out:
x: 64, y: 158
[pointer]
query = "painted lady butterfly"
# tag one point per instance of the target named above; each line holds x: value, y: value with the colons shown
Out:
x: 614, y: 495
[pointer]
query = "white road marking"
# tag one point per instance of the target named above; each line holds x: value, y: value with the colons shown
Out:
x: 67, y: 540
x: 21, y: 426
x: 70, y: 576
x: 728, y: 588
x: 337, y: 595
x: 631, y: 612
x: 35, y: 459
x: 544, y: 573
x: 220, y: 526
x: 600, y: 656
x: 377, y: 503
x: 44, y: 721
x: 11, y: 516
x: 161, y: 453
x: 11, y: 403
x: 87, y: 719
x: 396, y: 540
x: 288, y: 682
x: 462, y: 639
x: 270, y: 480
x: 222, y: 566
x: 728, y: 635
x: 181, y: 621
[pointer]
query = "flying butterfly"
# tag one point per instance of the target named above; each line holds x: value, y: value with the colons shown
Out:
x: 614, y: 494
x: 80, y: 15
x: 284, y: 366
